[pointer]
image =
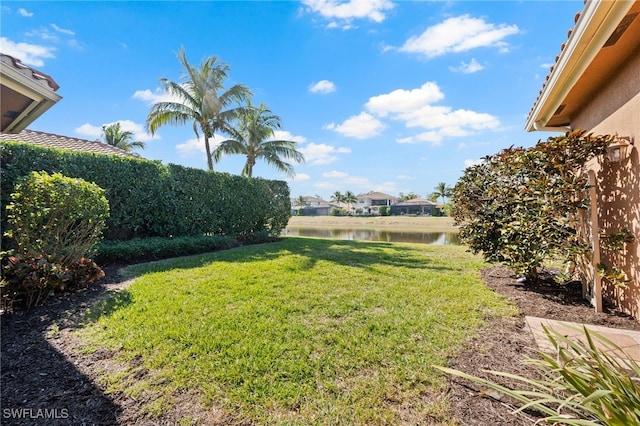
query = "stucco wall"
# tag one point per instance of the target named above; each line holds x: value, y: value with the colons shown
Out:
x: 615, y: 109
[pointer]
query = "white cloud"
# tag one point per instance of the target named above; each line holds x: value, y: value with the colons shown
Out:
x: 95, y: 132
x: 322, y: 87
x: 470, y: 162
x: 318, y: 154
x: 334, y: 174
x: 43, y: 33
x: 62, y: 30
x: 283, y: 135
x: 362, y: 126
x: 401, y: 100
x: 24, y: 12
x: 298, y: 177
x: 405, y: 177
x: 153, y: 97
x: 468, y: 68
x: 195, y: 146
x: 459, y: 34
x: 547, y: 65
x: 373, y: 10
x: 30, y: 54
x: 435, y: 117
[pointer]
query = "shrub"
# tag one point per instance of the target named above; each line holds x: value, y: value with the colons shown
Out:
x: 56, y: 216
x: 384, y: 210
x: 55, y: 221
x: 154, y: 248
x: 336, y: 211
x: 150, y: 199
x: 519, y: 206
x: 589, y: 382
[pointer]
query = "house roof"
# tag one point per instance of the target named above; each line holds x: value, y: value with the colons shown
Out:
x: 25, y: 94
x: 376, y: 196
x: 416, y: 202
x: 51, y: 140
x: 605, y: 34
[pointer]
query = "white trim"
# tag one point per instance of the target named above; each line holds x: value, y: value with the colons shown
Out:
x: 595, y: 25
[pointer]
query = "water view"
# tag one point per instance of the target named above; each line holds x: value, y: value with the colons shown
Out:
x: 441, y: 238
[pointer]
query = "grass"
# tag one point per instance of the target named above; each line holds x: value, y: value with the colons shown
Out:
x: 303, y: 331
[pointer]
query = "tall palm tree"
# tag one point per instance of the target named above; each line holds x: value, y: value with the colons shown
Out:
x: 200, y: 98
x: 256, y: 126
x: 301, y: 201
x: 114, y: 135
x: 441, y: 190
x: 350, y: 198
x: 337, y: 197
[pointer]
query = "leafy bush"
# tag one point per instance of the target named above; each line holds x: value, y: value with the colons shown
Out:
x: 56, y: 216
x: 384, y: 210
x: 336, y: 211
x: 519, y: 206
x: 150, y: 199
x: 29, y: 280
x: 154, y: 248
x: 589, y: 382
x: 54, y: 221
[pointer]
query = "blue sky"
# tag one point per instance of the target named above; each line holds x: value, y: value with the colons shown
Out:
x: 380, y: 95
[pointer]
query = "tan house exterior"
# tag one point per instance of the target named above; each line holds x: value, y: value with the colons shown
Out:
x: 595, y: 85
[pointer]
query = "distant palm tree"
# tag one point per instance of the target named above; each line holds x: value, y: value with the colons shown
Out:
x: 350, y: 198
x: 251, y: 138
x: 301, y: 201
x: 441, y: 190
x: 114, y: 135
x: 200, y: 98
x: 337, y: 197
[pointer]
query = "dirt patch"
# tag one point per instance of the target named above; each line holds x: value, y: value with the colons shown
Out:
x: 503, y: 343
x: 48, y: 380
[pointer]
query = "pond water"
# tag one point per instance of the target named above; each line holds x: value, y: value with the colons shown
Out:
x: 442, y: 238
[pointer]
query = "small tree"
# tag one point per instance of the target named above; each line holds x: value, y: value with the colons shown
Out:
x: 519, y: 206
x: 55, y: 221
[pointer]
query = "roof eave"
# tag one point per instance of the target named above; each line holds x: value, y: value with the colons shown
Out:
x: 43, y: 96
x: 594, y: 26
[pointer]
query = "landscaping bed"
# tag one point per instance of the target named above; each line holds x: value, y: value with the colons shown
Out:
x: 43, y: 366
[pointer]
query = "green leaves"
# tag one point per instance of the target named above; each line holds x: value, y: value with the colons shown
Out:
x: 590, y: 381
x: 520, y: 206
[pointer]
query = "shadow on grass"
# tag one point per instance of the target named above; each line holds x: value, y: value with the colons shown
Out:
x: 360, y: 254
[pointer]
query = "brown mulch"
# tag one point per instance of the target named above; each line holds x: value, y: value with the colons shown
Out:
x: 47, y: 380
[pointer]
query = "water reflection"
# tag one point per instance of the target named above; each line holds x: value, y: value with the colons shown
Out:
x: 442, y: 238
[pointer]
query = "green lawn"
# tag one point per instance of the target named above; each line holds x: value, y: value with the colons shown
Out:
x: 302, y: 331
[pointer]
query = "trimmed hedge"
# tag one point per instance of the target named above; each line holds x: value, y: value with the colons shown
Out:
x: 150, y: 199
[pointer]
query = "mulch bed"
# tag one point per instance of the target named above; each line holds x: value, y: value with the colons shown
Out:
x: 43, y: 370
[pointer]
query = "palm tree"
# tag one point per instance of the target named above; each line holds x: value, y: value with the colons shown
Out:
x: 301, y: 201
x: 441, y: 190
x: 114, y: 135
x: 350, y: 198
x: 256, y: 126
x: 337, y: 197
x: 200, y: 98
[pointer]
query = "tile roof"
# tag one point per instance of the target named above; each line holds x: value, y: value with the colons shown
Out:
x: 51, y: 140
x: 417, y: 202
x: 36, y: 75
x: 376, y: 196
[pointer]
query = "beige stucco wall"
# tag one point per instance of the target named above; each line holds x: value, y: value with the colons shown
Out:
x: 615, y: 109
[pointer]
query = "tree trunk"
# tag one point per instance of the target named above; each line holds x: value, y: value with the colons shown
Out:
x: 208, y: 149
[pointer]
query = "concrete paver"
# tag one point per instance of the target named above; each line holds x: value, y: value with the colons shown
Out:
x: 627, y: 340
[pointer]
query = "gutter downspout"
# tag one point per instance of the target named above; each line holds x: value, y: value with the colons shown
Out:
x: 540, y: 128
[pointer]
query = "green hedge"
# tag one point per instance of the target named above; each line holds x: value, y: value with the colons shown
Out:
x: 150, y: 199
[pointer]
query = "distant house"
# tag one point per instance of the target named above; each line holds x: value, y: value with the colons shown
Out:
x: 415, y: 206
x: 595, y: 85
x: 25, y: 94
x: 314, y: 206
x: 370, y: 201
x: 51, y: 140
